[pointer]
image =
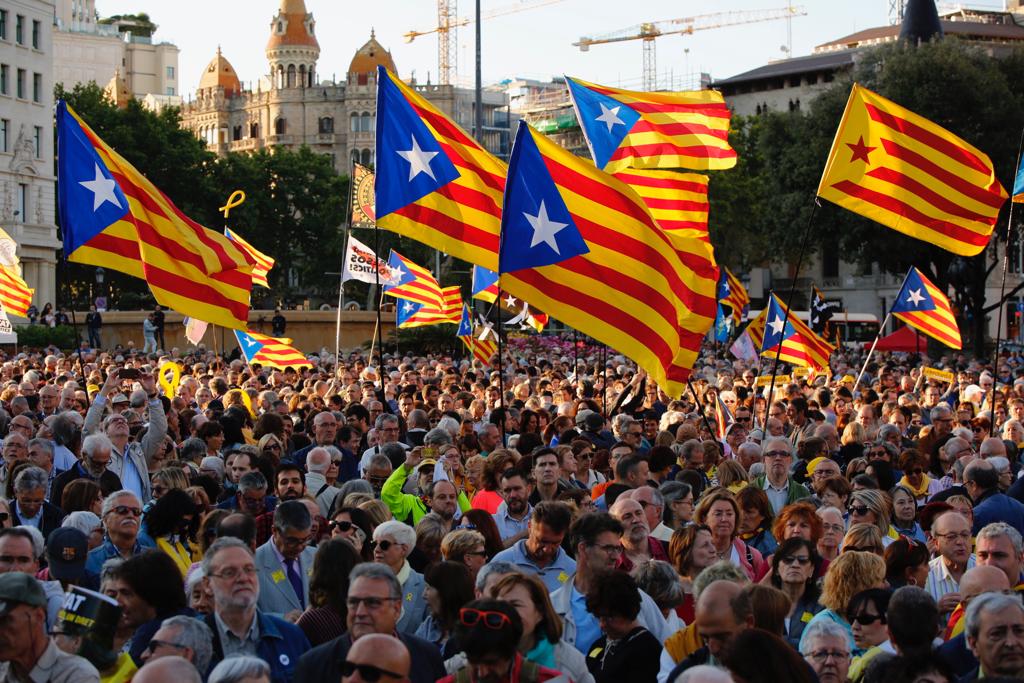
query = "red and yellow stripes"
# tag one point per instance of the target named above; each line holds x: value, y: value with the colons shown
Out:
x: 803, y: 347
x: 15, y: 294
x: 424, y: 289
x: 263, y: 262
x: 193, y: 270
x: 462, y: 218
x: 905, y: 172
x: 738, y: 299
x: 675, y: 130
x: 482, y: 350
x: 449, y: 312
x: 278, y: 353
x: 938, y: 323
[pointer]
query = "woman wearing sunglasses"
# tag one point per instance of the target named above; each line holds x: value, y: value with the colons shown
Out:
x: 354, y: 526
x: 794, y: 566
x: 870, y: 633
x: 392, y: 543
x: 869, y: 506
x: 914, y: 464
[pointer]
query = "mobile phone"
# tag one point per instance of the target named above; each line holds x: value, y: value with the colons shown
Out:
x: 430, y: 452
x: 128, y: 373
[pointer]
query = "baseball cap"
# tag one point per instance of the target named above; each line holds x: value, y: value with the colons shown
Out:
x: 66, y: 552
x: 119, y: 398
x: 17, y: 588
x: 582, y: 415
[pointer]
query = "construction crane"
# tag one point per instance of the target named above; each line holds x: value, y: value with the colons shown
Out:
x: 649, y: 31
x: 447, y: 25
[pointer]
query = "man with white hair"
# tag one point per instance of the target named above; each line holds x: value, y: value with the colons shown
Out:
x: 826, y: 648
x: 121, y: 515
x: 97, y: 452
x: 994, y: 628
x: 318, y: 461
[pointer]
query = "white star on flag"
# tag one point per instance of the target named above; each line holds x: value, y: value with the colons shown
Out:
x: 102, y: 190
x: 407, y: 308
x: 510, y: 301
x: 250, y: 342
x: 609, y: 117
x: 544, y: 229
x: 915, y: 297
x: 777, y: 325
x: 397, y: 274
x: 419, y: 160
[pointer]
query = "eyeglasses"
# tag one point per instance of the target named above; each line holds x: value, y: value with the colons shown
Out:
x: 790, y: 559
x: 823, y: 655
x: 232, y: 573
x: 477, y: 553
x: 778, y: 454
x: 868, y: 619
x: 371, y: 604
x: 492, y: 620
x: 293, y: 542
x: 154, y: 644
x: 859, y: 510
x: 127, y: 510
x: 964, y: 536
x: 367, y: 672
x: 610, y: 549
x: 340, y: 525
x: 384, y: 545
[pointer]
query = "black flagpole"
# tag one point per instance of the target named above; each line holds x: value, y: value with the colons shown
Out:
x: 703, y: 413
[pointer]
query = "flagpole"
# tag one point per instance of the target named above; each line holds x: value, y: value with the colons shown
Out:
x: 501, y: 356
x: 703, y: 414
x: 789, y: 302
x: 872, y: 350
x: 380, y: 300
x: 341, y: 302
x: 1002, y: 293
x: 604, y: 380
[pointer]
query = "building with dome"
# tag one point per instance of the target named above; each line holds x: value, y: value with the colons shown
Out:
x: 291, y: 106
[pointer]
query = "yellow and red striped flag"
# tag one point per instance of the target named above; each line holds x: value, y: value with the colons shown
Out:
x: 412, y: 282
x: 630, y: 129
x: 755, y: 328
x: 15, y: 294
x: 924, y: 307
x: 678, y: 201
x: 800, y: 345
x: 411, y: 314
x: 903, y: 171
x: 733, y: 294
x: 270, y: 352
x: 263, y: 262
x: 482, y: 349
x: 112, y: 216
x: 584, y: 248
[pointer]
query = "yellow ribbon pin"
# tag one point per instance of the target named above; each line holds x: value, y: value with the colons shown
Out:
x: 170, y: 386
x: 237, y: 198
x: 278, y: 576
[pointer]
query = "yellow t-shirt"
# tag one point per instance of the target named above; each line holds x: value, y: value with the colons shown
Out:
x: 123, y: 670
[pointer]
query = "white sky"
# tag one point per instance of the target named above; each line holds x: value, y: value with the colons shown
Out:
x: 535, y: 43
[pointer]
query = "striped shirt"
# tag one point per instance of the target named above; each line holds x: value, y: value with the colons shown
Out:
x: 940, y: 581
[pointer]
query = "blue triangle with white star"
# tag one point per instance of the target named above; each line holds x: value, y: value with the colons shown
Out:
x: 410, y: 162
x: 89, y: 198
x: 405, y: 310
x: 249, y: 345
x: 536, y: 226
x: 398, y: 269
x: 466, y: 324
x: 913, y: 295
x: 776, y: 326
x: 723, y: 287
x: 605, y: 120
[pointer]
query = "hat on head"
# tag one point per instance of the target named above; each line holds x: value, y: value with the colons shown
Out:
x: 67, y: 549
x: 813, y: 464
x: 582, y: 415
x: 119, y: 398
x: 17, y: 588
x: 593, y: 422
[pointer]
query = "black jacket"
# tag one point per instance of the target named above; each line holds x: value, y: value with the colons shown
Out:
x: 634, y: 658
x: 52, y: 517
x: 323, y: 663
x: 108, y: 482
x: 955, y: 653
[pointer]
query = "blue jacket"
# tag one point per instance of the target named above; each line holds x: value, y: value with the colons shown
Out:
x: 998, y: 507
x: 281, y: 644
x: 957, y: 656
x: 106, y: 551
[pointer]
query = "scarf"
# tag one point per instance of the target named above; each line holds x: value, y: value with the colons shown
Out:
x: 919, y: 491
x: 543, y: 652
x: 748, y: 535
x: 177, y: 552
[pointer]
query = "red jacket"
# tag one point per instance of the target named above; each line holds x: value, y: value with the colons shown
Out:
x: 657, y: 551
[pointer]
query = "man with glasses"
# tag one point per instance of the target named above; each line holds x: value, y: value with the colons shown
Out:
x: 952, y: 534
x: 781, y: 488
x: 121, y: 514
x: 182, y: 636
x: 239, y: 627
x: 96, y: 454
x: 387, y: 428
x: 541, y: 551
x: 990, y: 505
x: 285, y: 562
x: 826, y: 648
x: 374, y: 604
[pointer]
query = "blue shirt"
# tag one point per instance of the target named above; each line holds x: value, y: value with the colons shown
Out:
x: 107, y: 551
x: 509, y: 527
x: 588, y: 630
x: 131, y: 479
x: 553, y: 575
x: 29, y: 521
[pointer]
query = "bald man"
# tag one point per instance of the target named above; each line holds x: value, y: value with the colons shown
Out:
x: 375, y: 655
x: 163, y: 669
x: 981, y: 579
x: 723, y: 610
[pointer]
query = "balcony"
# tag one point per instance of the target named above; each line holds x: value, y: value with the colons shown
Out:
x: 246, y: 145
x: 323, y: 139
x: 279, y: 139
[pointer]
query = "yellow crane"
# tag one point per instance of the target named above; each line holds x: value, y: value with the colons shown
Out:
x: 649, y: 31
x: 447, y: 25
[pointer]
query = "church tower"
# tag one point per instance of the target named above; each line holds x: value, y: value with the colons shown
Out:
x: 293, y: 48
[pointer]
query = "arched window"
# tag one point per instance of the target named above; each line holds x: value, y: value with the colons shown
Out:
x: 254, y: 129
x: 236, y: 133
x: 354, y: 121
x: 280, y: 127
x: 280, y: 76
x: 364, y: 122
x: 366, y: 160
x: 355, y: 156
x: 326, y: 125
x: 302, y: 75
x: 291, y: 75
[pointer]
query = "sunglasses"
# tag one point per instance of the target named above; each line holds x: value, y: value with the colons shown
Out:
x: 492, y: 620
x: 383, y: 545
x: 868, y: 619
x: 340, y: 525
x: 127, y: 510
x: 367, y: 672
x: 859, y: 510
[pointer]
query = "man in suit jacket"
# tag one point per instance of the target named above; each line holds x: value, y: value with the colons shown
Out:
x: 374, y: 606
x: 285, y: 562
x: 30, y: 507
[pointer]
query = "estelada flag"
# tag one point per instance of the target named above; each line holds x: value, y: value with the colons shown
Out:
x: 799, y: 344
x: 270, y: 352
x: 733, y: 294
x: 263, y: 262
x: 485, y: 288
x: 15, y: 294
x: 112, y: 216
x: 903, y: 171
x: 411, y: 314
x: 630, y: 129
x: 413, y: 282
x: 482, y: 349
x: 584, y: 248
x: 924, y: 307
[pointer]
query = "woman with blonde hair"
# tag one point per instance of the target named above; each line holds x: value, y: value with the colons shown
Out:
x: 377, y: 510
x: 870, y: 506
x: 271, y: 444
x: 719, y: 511
x: 850, y: 574
x: 731, y: 475
x: 851, y: 444
x: 863, y: 538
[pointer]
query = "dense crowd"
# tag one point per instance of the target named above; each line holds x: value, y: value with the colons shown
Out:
x: 427, y: 518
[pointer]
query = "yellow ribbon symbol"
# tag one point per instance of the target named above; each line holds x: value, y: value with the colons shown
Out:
x: 170, y: 386
x: 237, y: 198
x: 229, y: 400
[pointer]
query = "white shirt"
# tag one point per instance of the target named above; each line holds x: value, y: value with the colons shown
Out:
x: 940, y: 581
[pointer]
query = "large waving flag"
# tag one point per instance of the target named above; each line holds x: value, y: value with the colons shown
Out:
x: 263, y: 262
x: 733, y: 294
x: 482, y: 349
x: 583, y: 247
x: 15, y: 294
x: 112, y: 216
x: 800, y: 346
x: 411, y: 314
x: 434, y: 182
x: 678, y: 201
x: 625, y: 128
x: 924, y: 307
x: 485, y: 288
x: 755, y: 328
x: 270, y: 352
x: 413, y: 282
x: 903, y: 171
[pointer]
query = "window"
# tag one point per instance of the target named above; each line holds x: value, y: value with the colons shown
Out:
x: 280, y: 126
x: 38, y: 140
x: 5, y: 75
x: 326, y: 125
x: 254, y: 130
x: 36, y: 30
x: 19, y: 30
x: 291, y: 75
x: 5, y: 126
x: 170, y: 73
x: 22, y: 201
x: 366, y: 160
x: 20, y: 85
x: 354, y: 121
x: 3, y: 24
x: 366, y: 122
x: 37, y: 87
x: 170, y: 90
x: 236, y: 133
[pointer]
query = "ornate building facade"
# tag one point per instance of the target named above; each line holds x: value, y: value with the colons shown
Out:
x: 290, y: 106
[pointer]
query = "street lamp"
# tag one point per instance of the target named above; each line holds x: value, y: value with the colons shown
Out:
x: 100, y: 276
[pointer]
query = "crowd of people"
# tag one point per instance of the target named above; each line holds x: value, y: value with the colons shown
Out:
x: 426, y: 518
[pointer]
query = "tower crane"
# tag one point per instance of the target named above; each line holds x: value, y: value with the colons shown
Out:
x: 447, y: 25
x: 649, y: 31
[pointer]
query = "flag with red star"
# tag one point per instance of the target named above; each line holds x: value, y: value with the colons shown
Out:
x: 903, y: 171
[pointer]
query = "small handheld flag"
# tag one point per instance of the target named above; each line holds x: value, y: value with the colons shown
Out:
x: 799, y: 345
x: 413, y: 282
x: 733, y: 294
x: 270, y: 352
x: 924, y: 307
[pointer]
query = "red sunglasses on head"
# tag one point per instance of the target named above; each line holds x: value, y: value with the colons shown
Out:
x: 493, y: 620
